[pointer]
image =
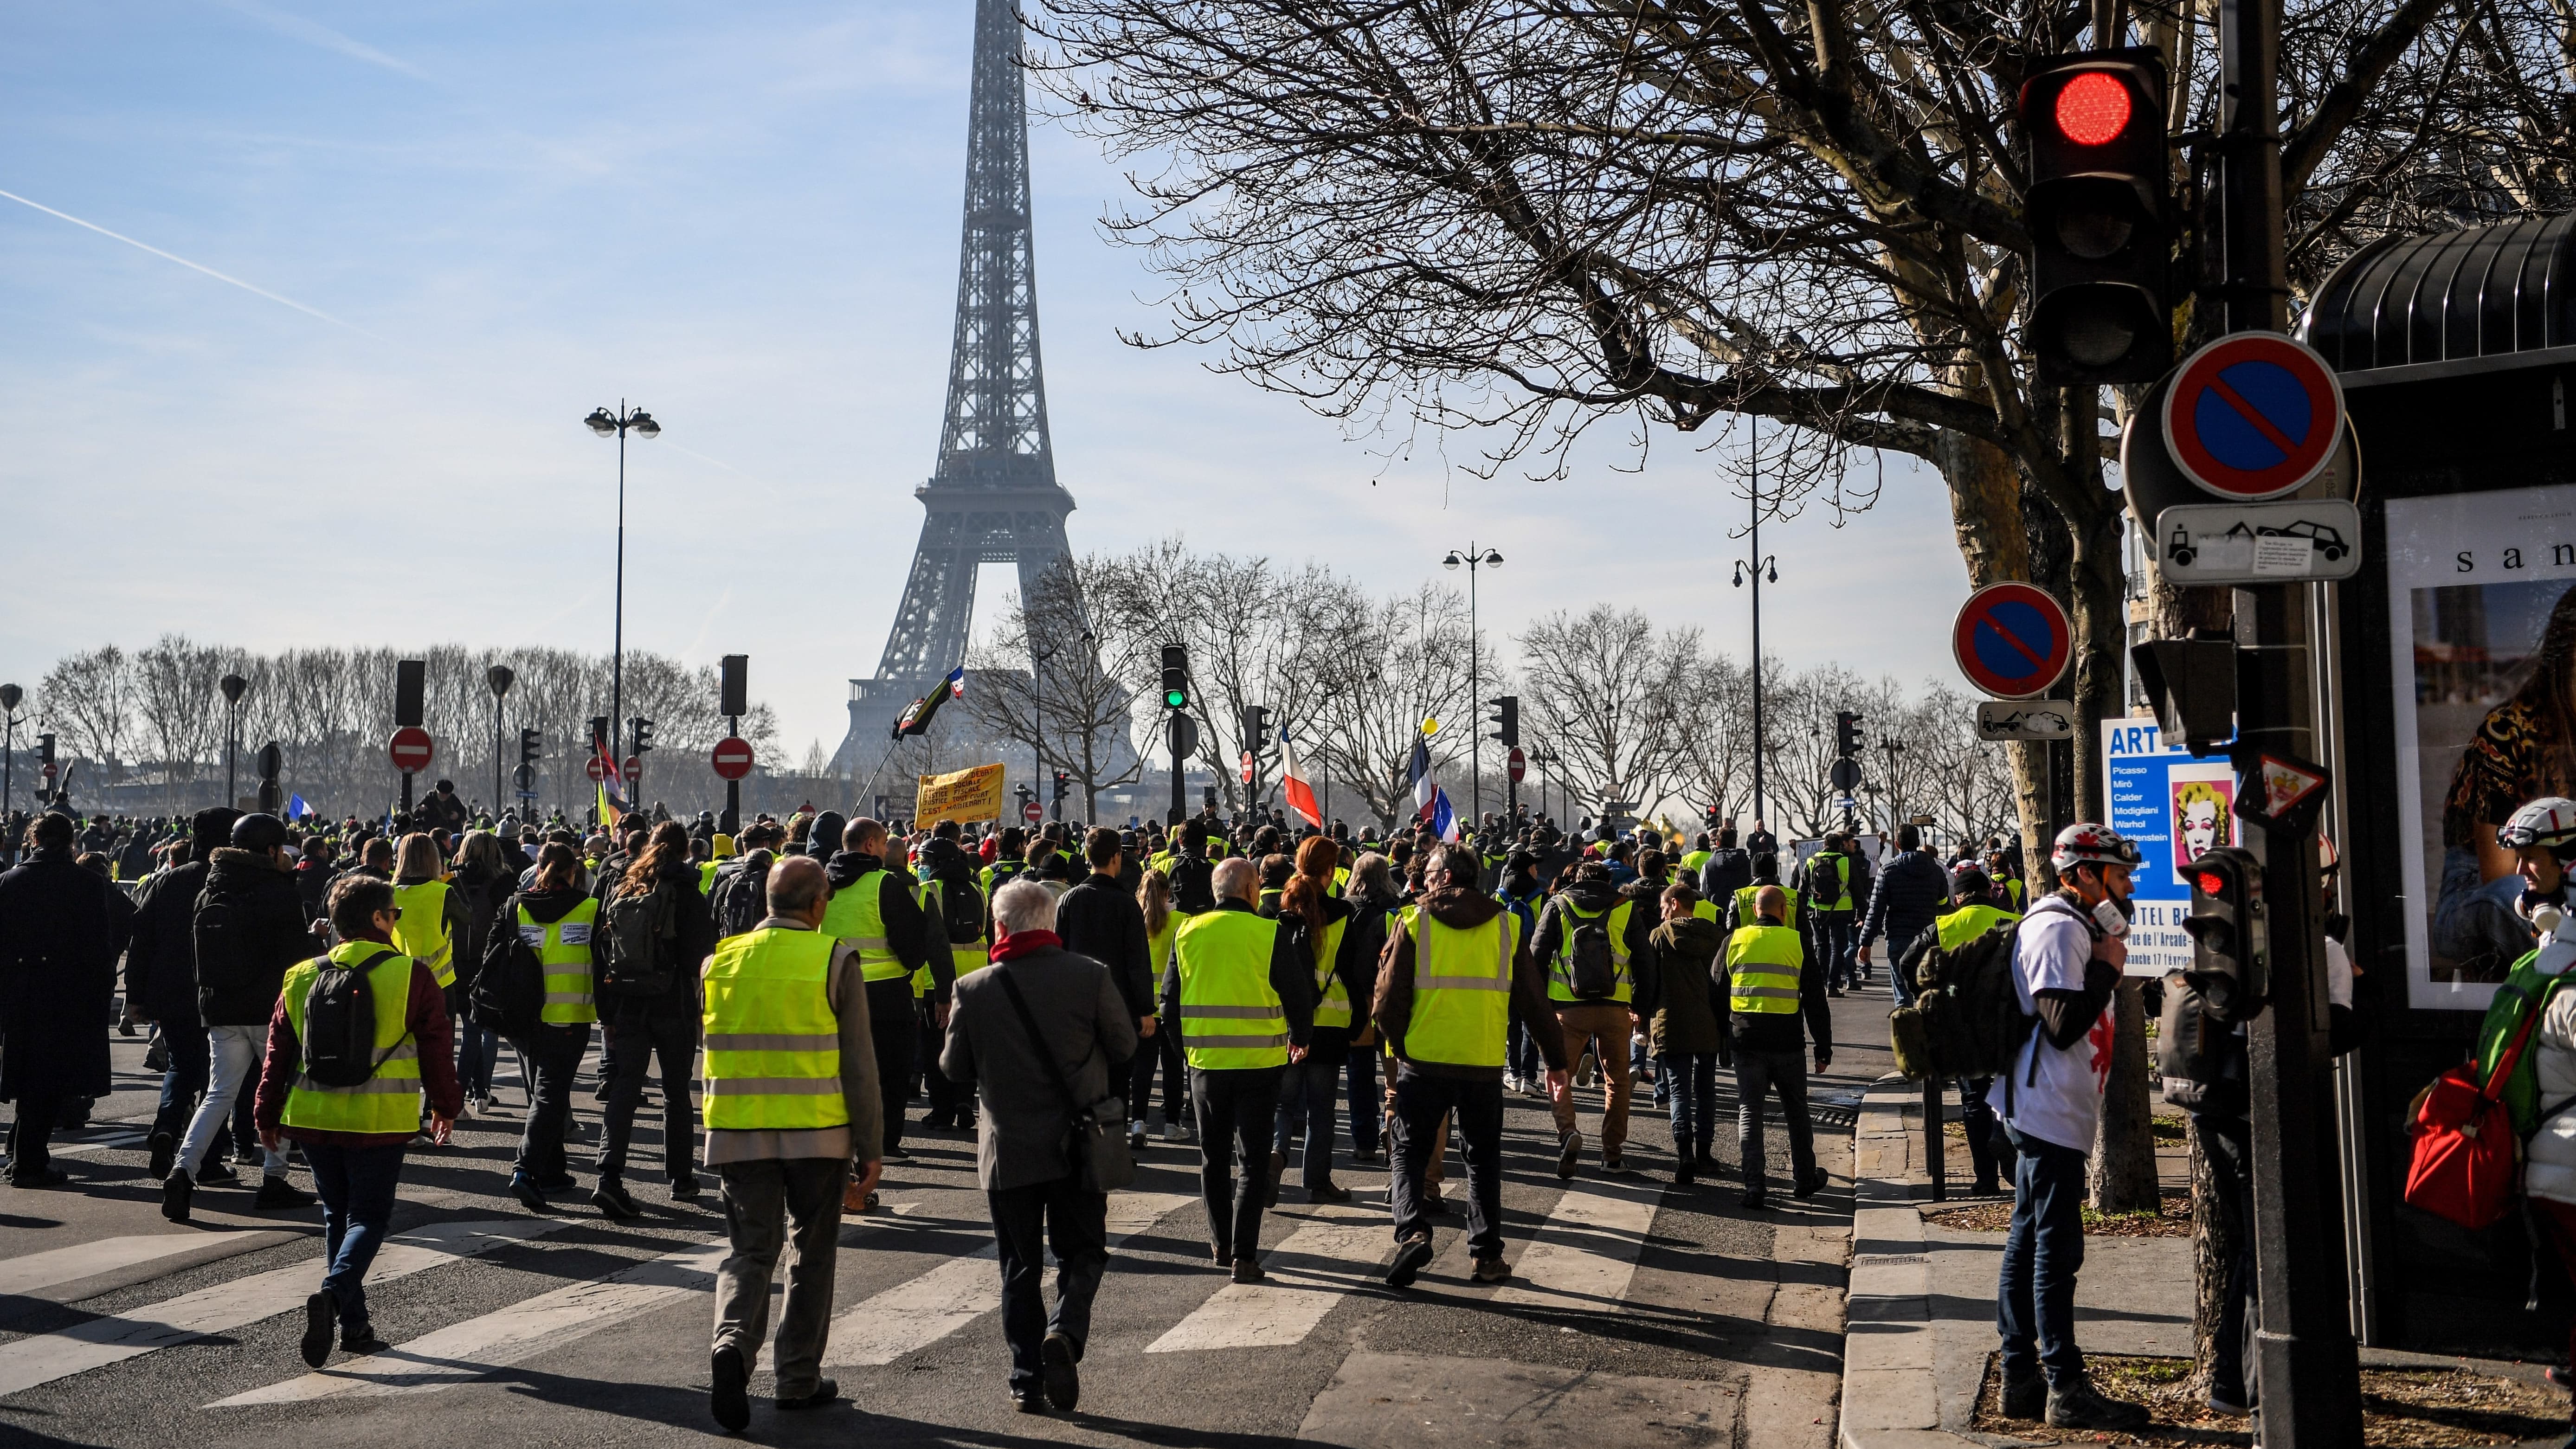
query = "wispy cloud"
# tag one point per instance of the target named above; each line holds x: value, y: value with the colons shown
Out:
x: 192, y: 266
x: 313, y: 32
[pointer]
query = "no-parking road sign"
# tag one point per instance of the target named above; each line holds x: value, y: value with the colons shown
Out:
x: 2012, y: 640
x: 2253, y: 415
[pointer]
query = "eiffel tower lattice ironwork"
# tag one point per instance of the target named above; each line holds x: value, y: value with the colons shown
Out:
x: 993, y: 497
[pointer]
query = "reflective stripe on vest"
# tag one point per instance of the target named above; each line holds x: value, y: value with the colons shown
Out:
x: 1462, y: 989
x: 1560, y: 977
x: 1763, y: 964
x: 389, y: 1101
x: 420, y: 932
x: 1968, y: 923
x: 563, y: 957
x: 1230, y: 1018
x: 1332, y: 998
x: 773, y: 1046
x: 856, y: 914
x: 1744, y: 906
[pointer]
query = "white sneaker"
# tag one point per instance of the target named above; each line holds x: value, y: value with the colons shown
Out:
x: 1175, y: 1132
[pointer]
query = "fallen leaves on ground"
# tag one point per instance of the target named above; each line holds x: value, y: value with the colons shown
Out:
x: 1993, y: 1215
x: 2408, y: 1408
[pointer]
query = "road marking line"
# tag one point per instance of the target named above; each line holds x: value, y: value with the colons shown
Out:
x: 37, y: 1272
x: 463, y: 1352
x: 919, y: 1312
x: 1586, y: 1252
x: 1310, y: 1271
x: 45, y: 1357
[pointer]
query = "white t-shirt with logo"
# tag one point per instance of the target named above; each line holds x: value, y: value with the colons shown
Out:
x: 2060, y: 1101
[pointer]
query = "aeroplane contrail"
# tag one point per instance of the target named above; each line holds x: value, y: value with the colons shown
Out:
x: 192, y: 266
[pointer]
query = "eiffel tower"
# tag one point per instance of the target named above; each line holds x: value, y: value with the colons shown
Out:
x: 993, y: 497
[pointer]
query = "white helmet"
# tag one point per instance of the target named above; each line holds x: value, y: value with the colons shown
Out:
x: 2549, y: 821
x: 2089, y: 843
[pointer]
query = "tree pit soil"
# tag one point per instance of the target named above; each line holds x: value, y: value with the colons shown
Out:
x: 2401, y: 1408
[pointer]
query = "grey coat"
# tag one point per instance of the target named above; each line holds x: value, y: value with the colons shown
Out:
x: 1021, y: 1131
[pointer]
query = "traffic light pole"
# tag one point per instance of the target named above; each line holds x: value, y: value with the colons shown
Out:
x: 733, y: 788
x: 2303, y: 1345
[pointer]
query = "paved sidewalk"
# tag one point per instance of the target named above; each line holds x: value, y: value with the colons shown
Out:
x: 1921, y: 1320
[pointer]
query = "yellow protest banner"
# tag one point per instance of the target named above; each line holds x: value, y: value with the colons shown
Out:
x: 974, y: 794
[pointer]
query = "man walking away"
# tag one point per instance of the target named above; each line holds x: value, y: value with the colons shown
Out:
x: 659, y: 935
x: 1727, y: 870
x: 1101, y: 919
x: 1602, y: 981
x: 557, y: 922
x: 1322, y: 928
x: 1685, y: 1029
x: 1912, y: 891
x: 161, y: 979
x: 793, y: 1098
x: 1771, y: 984
x: 874, y: 910
x: 380, y: 1035
x: 1086, y: 1026
x: 2067, y: 960
x: 249, y: 928
x: 61, y: 928
x: 1828, y: 888
x: 1456, y: 974
x: 1241, y: 992
x: 1973, y: 913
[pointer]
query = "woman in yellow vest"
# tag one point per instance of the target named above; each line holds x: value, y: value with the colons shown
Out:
x: 553, y: 921
x: 1322, y: 928
x: 1684, y: 1031
x: 432, y: 926
x: 354, y: 1136
x: 1163, y: 1048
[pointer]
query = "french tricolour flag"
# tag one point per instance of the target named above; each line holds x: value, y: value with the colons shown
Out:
x: 1430, y: 802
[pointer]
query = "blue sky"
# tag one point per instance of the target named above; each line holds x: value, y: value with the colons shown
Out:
x: 743, y: 217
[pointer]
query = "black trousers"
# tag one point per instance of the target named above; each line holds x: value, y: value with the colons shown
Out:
x: 1235, y: 1109
x: 892, y: 1025
x: 951, y: 1104
x: 1421, y: 1100
x: 1027, y: 1221
x: 664, y: 1030
x: 28, y: 1157
x: 554, y: 1054
x: 1162, y: 1049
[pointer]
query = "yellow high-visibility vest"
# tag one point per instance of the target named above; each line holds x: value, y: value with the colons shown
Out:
x: 1332, y: 998
x: 387, y: 1102
x: 1462, y: 989
x: 563, y: 956
x: 1744, y: 906
x: 773, y: 1044
x: 421, y: 929
x: 1231, y: 1019
x: 1762, y: 964
x: 857, y: 915
x: 1560, y: 980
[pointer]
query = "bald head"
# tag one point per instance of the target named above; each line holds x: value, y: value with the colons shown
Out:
x: 1771, y: 903
x: 1236, y: 879
x: 798, y: 889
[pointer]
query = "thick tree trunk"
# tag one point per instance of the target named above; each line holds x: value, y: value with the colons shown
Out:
x: 2211, y: 1249
x: 2124, y: 1150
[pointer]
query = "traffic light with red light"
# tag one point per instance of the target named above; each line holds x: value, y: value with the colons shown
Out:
x: 2100, y: 214
x: 2227, y: 935
x: 1846, y: 733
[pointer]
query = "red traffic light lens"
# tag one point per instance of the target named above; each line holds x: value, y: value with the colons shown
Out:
x: 2092, y: 109
x: 2210, y: 884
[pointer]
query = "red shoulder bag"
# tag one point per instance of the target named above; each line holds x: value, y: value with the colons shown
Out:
x: 2466, y: 1158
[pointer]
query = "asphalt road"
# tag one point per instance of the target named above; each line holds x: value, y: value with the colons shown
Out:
x: 1639, y: 1314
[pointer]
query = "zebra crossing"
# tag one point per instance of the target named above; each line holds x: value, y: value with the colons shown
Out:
x: 1328, y: 1255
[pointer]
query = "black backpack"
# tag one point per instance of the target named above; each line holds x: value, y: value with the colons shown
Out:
x: 510, y: 998
x: 339, y: 1038
x: 1193, y: 888
x: 1592, y: 971
x: 2199, y: 1053
x: 639, y: 955
x: 961, y: 909
x: 742, y: 894
x: 1966, y: 1019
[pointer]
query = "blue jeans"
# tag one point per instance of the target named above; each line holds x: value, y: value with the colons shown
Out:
x: 185, y: 1080
x: 357, y: 1188
x: 2043, y: 1251
x: 1690, y: 1080
x: 477, y: 1048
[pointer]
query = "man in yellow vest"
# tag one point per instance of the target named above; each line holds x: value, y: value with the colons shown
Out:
x: 1972, y: 914
x: 793, y: 1099
x: 1457, y: 973
x: 1772, y: 985
x: 1240, y: 991
x: 1828, y: 888
x: 875, y: 909
x: 354, y: 1135
x: 1601, y: 1000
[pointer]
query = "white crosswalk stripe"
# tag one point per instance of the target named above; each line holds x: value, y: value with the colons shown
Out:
x: 1308, y: 1271
x: 43, y: 1358
x: 465, y: 1351
x: 918, y: 1313
x: 1586, y: 1252
x: 33, y: 1274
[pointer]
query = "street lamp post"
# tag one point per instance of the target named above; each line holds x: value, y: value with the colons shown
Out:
x: 1760, y: 567
x: 500, y: 677
x: 233, y: 686
x: 620, y: 423
x: 10, y: 694
x: 1474, y: 559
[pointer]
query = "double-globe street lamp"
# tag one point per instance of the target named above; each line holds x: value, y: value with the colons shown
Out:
x: 619, y: 424
x: 1474, y: 558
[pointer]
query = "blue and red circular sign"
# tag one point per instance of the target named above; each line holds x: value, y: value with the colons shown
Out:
x: 2012, y: 640
x: 2252, y: 415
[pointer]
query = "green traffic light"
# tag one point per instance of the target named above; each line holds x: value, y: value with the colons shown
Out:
x: 1176, y: 699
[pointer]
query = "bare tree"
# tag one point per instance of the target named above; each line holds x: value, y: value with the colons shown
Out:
x: 1609, y: 695
x: 1402, y: 661
x: 1080, y: 721
x: 88, y: 700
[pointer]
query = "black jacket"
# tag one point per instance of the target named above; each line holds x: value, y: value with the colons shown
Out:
x: 161, y: 959
x: 60, y: 929
x: 248, y: 928
x: 697, y: 941
x: 1911, y: 894
x: 1100, y: 919
x: 741, y: 896
x: 1725, y: 872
